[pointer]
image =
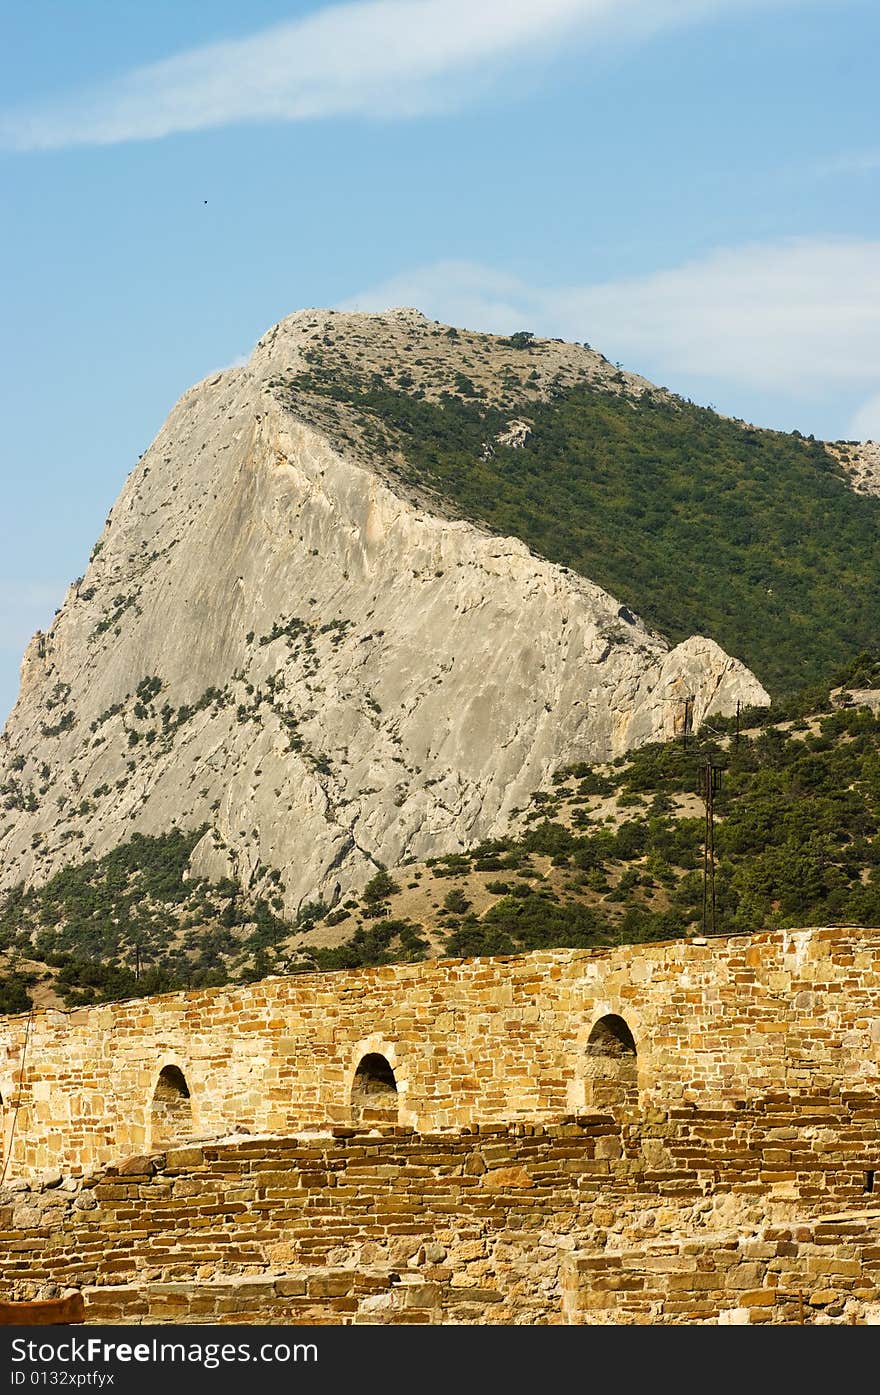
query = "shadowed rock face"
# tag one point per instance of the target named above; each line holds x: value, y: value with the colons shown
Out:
x: 274, y: 641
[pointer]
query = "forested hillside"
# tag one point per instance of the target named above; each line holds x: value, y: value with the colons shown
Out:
x: 699, y: 524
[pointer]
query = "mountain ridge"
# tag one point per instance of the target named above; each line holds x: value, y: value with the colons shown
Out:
x: 279, y: 637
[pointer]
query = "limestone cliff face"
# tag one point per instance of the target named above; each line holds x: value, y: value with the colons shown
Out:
x: 272, y: 641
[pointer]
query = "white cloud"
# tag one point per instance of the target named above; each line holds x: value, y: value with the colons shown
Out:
x: 798, y: 316
x: 857, y: 162
x: 25, y: 607
x: 865, y: 425
x: 374, y: 58
x: 468, y: 295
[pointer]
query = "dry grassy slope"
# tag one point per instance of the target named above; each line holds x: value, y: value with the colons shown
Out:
x: 423, y: 888
x: 274, y: 639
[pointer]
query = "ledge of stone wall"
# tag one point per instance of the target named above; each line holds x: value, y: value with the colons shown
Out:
x: 317, y: 1297
x: 824, y: 1271
x: 682, y: 1217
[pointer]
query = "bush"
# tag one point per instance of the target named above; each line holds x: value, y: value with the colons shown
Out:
x: 379, y: 888
x: 456, y: 902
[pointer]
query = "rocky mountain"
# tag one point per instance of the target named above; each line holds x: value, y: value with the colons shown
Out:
x: 290, y: 640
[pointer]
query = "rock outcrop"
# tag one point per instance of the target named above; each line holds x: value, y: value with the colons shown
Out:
x: 861, y: 461
x: 275, y: 641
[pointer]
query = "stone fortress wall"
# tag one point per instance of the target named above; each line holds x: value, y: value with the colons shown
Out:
x: 674, y: 1132
x: 469, y: 1041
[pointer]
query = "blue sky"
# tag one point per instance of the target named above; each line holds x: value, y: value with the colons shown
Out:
x: 689, y: 185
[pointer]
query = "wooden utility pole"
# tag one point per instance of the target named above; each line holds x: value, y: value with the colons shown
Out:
x: 688, y: 722
x: 738, y: 711
x: 711, y: 783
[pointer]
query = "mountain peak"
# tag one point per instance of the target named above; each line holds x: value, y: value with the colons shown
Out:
x: 282, y: 640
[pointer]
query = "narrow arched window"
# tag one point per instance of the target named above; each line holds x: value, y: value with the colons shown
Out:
x: 611, y: 1067
x: 374, y: 1091
x: 171, y: 1114
x: 611, y: 1037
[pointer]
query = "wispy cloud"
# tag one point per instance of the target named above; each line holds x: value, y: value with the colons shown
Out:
x: 865, y: 425
x: 853, y: 163
x: 376, y: 58
x: 25, y: 607
x: 800, y: 317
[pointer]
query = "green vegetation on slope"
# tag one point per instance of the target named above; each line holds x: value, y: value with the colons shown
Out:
x: 699, y: 524
x: 132, y: 923
x: 797, y: 839
x: 609, y: 855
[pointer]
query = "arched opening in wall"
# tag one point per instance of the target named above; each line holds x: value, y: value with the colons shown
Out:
x: 171, y: 1117
x: 611, y: 1069
x: 374, y: 1091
